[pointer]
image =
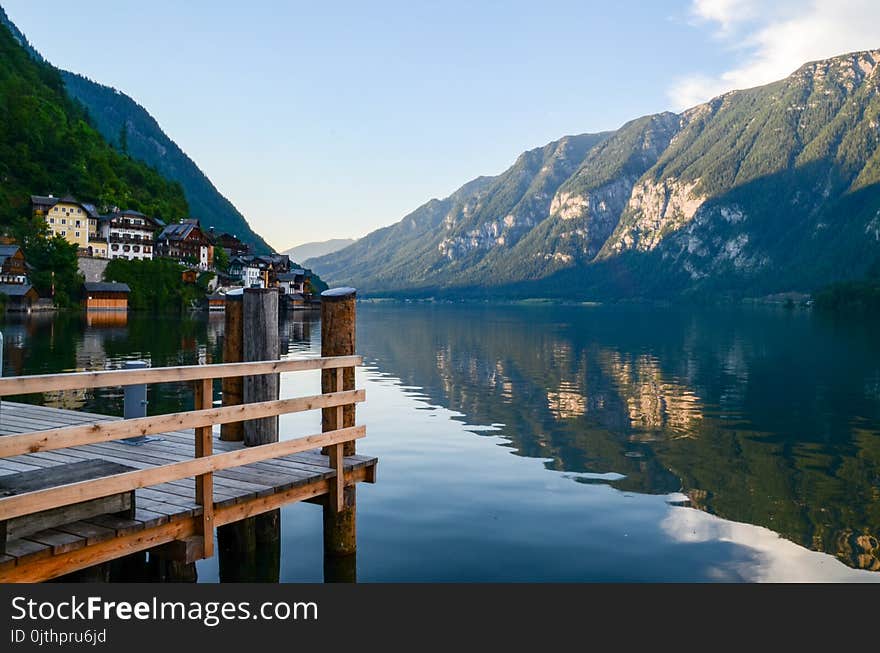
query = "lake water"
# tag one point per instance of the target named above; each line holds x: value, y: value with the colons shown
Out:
x: 552, y: 443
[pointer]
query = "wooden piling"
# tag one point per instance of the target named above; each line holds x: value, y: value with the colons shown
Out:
x: 338, y: 339
x: 260, y: 322
x: 233, y: 352
x: 250, y: 550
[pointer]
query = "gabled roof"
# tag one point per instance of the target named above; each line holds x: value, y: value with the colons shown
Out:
x: 91, y: 211
x: 8, y: 250
x: 15, y: 289
x: 49, y: 200
x: 179, y: 231
x: 105, y: 286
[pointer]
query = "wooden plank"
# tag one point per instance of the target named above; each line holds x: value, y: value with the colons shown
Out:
x: 70, y: 436
x: 60, y: 541
x: 20, y: 385
x: 92, y: 533
x: 25, y: 525
x: 23, y: 547
x: 83, y: 491
x: 82, y: 470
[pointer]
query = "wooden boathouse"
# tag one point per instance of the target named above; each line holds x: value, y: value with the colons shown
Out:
x: 80, y: 489
x: 105, y: 296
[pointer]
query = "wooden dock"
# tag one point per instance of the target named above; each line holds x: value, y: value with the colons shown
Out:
x: 186, y: 482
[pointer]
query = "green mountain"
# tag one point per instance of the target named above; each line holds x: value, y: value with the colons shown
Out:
x: 113, y: 114
x: 764, y: 190
x: 48, y: 145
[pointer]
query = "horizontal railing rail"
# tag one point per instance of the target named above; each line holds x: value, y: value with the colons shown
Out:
x: 21, y: 385
x: 106, y: 431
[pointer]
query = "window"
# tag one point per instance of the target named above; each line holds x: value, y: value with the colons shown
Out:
x: 79, y: 211
x: 63, y: 233
x: 76, y: 233
x: 114, y: 247
x: 51, y: 220
x: 136, y: 248
x: 56, y: 209
x: 63, y: 221
x: 77, y: 223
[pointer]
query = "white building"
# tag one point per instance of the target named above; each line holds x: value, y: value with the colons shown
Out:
x: 128, y: 234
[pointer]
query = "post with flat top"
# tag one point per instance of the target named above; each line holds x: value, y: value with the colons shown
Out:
x: 338, y: 339
x: 250, y: 549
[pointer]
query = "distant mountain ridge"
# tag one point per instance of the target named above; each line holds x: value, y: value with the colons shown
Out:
x: 321, y: 248
x: 757, y: 191
x: 111, y: 110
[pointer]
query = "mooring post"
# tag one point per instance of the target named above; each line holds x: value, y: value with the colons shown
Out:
x: 338, y: 339
x: 250, y: 550
x: 260, y: 321
x: 233, y: 352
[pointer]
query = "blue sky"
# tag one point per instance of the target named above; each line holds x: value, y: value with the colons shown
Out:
x: 322, y: 120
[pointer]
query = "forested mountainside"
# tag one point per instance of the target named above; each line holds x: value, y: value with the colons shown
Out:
x: 48, y: 145
x: 117, y: 117
x: 764, y: 190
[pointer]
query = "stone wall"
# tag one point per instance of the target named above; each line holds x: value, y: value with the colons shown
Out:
x: 92, y: 268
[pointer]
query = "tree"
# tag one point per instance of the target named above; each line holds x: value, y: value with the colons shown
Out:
x: 221, y: 259
x: 53, y: 260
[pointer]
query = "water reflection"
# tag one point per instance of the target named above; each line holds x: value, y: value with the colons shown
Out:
x: 767, y: 422
x: 760, y: 416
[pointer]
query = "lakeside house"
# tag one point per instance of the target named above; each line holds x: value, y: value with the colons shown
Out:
x: 123, y: 234
x: 13, y: 268
x: 105, y: 296
x: 67, y: 217
x: 186, y: 242
x: 19, y: 296
x: 128, y: 234
x: 232, y: 245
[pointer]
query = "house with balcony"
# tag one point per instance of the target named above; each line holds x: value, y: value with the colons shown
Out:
x: 13, y: 269
x: 125, y: 234
x: 186, y: 242
x: 246, y: 271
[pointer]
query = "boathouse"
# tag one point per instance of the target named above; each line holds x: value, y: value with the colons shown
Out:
x: 19, y: 296
x: 105, y: 296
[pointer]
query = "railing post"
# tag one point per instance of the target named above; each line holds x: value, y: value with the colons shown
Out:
x: 134, y: 401
x: 204, y: 398
x: 338, y: 339
x: 233, y: 392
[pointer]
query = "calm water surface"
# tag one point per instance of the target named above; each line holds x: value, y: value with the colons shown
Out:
x: 564, y: 443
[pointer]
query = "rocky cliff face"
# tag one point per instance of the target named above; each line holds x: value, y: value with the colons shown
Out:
x: 764, y: 190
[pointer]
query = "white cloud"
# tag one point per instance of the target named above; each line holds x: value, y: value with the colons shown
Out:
x: 772, y: 39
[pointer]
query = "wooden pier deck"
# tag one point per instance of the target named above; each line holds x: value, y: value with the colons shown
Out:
x: 186, y: 482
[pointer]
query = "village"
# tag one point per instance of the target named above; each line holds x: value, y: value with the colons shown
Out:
x: 223, y: 259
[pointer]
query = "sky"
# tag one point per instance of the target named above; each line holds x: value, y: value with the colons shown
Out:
x: 329, y: 120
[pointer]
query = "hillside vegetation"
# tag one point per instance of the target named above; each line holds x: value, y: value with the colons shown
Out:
x: 759, y: 191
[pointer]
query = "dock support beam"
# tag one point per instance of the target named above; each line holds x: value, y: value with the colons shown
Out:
x: 340, y: 510
x: 250, y: 550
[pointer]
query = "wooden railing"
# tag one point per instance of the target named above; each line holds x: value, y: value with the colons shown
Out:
x: 202, y: 419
